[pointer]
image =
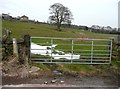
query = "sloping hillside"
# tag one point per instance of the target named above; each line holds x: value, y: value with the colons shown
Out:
x: 45, y: 30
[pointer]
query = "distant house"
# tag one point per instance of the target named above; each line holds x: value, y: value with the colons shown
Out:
x: 6, y: 16
x: 24, y: 18
x: 83, y: 27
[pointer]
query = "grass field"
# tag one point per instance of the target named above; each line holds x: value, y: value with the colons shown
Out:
x: 44, y: 30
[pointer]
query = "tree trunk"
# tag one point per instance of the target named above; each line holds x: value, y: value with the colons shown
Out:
x: 58, y: 27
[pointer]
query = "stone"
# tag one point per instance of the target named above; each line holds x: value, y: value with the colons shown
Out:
x: 57, y: 73
x: 45, y: 82
x: 53, y: 81
x: 34, y: 69
x: 61, y: 82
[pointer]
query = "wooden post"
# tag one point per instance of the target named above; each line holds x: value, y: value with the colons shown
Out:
x: 15, y: 48
x: 27, y: 45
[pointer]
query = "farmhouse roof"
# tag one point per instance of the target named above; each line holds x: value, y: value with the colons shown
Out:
x: 24, y: 16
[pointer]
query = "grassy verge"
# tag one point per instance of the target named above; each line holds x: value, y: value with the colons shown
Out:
x: 116, y: 64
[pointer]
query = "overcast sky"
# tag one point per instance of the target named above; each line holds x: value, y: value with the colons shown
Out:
x: 85, y: 12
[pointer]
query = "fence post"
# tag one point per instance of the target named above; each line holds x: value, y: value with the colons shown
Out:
x: 111, y: 44
x: 51, y: 49
x: 92, y: 51
x: 27, y: 45
x: 15, y: 48
x: 72, y: 50
x: 118, y: 37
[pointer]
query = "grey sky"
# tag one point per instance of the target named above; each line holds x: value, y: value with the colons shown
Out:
x: 85, y: 12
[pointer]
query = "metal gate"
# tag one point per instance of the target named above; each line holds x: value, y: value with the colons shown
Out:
x: 71, y: 50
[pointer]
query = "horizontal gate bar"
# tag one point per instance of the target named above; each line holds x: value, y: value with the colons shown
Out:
x: 72, y: 63
x: 72, y: 38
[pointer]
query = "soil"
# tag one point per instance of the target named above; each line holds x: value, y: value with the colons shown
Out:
x: 77, y: 82
x: 70, y: 82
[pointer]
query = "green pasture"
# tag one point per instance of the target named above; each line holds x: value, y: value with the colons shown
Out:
x: 44, y: 30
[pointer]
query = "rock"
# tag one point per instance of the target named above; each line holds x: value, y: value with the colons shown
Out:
x: 45, y: 82
x: 34, y: 69
x: 53, y: 81
x: 61, y: 82
x: 57, y: 73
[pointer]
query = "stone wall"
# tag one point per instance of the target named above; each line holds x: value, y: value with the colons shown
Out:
x: 17, y: 47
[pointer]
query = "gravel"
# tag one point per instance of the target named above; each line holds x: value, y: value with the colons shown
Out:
x: 69, y: 82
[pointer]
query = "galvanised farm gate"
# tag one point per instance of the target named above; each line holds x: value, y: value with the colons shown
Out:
x: 71, y: 50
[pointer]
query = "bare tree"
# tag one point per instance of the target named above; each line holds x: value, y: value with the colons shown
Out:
x: 60, y: 15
